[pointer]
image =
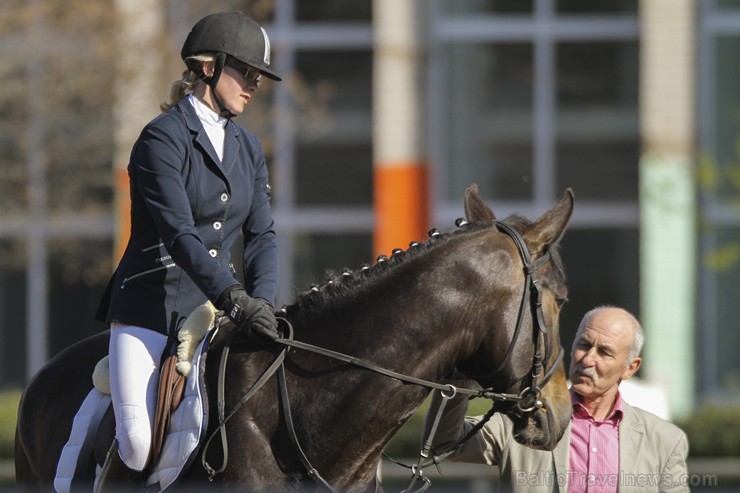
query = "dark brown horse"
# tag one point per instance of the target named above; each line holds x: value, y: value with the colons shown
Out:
x: 462, y: 301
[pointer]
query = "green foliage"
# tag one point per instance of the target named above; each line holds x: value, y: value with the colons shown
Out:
x: 9, y: 400
x: 713, y: 431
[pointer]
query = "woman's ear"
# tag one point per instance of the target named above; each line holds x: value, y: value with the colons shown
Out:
x: 208, y: 68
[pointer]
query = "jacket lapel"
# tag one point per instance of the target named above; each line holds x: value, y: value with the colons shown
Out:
x: 631, y: 438
x: 200, y: 137
x: 231, y: 146
x: 201, y: 140
x: 561, y: 458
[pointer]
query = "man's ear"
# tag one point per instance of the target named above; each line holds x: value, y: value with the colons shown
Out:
x: 632, y: 368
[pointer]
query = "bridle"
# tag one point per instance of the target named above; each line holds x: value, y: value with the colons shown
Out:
x: 528, y: 398
x: 526, y: 401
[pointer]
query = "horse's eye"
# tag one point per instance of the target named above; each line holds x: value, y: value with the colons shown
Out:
x: 561, y: 302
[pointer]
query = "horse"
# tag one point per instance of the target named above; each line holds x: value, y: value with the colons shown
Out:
x: 482, y: 299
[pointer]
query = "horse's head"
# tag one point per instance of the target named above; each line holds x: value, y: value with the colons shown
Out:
x: 520, y: 357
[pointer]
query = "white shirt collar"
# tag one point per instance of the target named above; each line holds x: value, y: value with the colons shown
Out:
x: 206, y: 114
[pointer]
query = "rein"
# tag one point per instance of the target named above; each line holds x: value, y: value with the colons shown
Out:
x: 527, y: 400
x: 278, y: 366
x: 484, y: 393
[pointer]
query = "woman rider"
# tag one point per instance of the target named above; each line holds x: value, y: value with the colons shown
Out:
x: 198, y: 181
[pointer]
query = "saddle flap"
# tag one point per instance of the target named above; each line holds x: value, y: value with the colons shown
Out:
x: 171, y: 389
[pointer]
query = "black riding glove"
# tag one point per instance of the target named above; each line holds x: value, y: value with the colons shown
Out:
x: 253, y: 315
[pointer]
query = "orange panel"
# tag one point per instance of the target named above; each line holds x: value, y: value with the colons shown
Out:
x: 123, y: 212
x: 401, y: 205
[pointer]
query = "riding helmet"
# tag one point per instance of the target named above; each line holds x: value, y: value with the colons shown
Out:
x: 233, y: 34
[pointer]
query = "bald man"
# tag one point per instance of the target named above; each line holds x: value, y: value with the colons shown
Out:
x: 609, y: 445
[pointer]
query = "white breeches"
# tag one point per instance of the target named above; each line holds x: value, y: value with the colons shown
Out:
x: 135, y: 354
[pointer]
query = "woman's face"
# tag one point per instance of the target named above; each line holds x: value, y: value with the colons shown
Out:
x: 236, y: 85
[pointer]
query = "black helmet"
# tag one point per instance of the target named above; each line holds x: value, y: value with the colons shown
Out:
x: 233, y: 34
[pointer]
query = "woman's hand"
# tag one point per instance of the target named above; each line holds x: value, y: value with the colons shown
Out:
x: 254, y: 315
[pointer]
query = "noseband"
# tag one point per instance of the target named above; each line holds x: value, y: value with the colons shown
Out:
x: 528, y: 399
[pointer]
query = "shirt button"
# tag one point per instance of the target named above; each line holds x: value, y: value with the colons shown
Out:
x: 217, y: 225
x: 213, y: 252
x: 594, y: 450
x: 224, y: 197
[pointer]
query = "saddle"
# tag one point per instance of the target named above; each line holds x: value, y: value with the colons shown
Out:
x: 175, y: 369
x: 89, y: 445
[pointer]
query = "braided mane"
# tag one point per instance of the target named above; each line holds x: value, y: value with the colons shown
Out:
x: 339, y: 285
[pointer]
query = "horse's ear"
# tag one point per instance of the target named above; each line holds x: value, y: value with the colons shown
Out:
x: 475, y: 208
x: 549, y: 228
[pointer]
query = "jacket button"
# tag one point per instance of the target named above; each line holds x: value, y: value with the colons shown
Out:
x: 217, y: 225
x: 213, y: 252
x: 224, y: 197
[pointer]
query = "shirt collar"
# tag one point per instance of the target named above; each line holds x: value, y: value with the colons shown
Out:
x: 580, y: 411
x: 206, y: 114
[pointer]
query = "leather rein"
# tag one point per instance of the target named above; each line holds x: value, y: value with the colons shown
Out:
x: 527, y: 400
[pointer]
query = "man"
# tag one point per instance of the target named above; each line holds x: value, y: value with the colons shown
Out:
x: 609, y: 445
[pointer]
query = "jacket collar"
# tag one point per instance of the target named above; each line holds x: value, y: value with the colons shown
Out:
x: 630, y: 445
x: 631, y: 439
x: 201, y: 140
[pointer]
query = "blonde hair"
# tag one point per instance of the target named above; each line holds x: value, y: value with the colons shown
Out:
x: 190, y: 77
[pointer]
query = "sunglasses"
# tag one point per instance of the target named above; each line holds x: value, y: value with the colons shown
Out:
x: 251, y: 74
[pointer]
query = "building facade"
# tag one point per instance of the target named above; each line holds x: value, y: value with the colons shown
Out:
x: 524, y: 98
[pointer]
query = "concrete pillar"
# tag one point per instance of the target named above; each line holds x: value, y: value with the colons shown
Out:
x: 37, y: 263
x: 138, y: 92
x: 667, y: 197
x: 401, y: 179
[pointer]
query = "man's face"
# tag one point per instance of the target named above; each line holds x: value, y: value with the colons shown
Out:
x: 600, y: 352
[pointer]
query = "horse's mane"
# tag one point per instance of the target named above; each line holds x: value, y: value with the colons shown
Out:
x: 343, y: 284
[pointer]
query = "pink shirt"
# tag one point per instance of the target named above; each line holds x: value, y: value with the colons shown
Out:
x: 594, y: 449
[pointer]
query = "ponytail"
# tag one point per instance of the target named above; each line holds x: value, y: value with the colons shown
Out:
x: 190, y: 77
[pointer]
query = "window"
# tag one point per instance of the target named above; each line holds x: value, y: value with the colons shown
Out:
x: 528, y: 98
x: 601, y: 267
x: 597, y: 121
x: 323, y: 159
x: 333, y: 155
x: 488, y: 115
x: 719, y: 189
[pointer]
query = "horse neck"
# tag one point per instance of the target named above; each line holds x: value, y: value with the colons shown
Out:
x: 421, y: 318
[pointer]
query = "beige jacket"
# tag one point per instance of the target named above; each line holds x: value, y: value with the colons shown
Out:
x: 652, y: 452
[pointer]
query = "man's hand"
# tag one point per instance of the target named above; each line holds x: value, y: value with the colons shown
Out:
x: 254, y: 315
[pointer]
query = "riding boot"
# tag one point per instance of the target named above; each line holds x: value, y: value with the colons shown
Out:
x: 116, y: 476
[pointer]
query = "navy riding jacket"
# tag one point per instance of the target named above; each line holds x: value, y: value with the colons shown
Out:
x: 187, y: 210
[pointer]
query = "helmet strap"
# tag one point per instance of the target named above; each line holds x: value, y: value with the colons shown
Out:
x: 213, y: 81
x: 223, y: 110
